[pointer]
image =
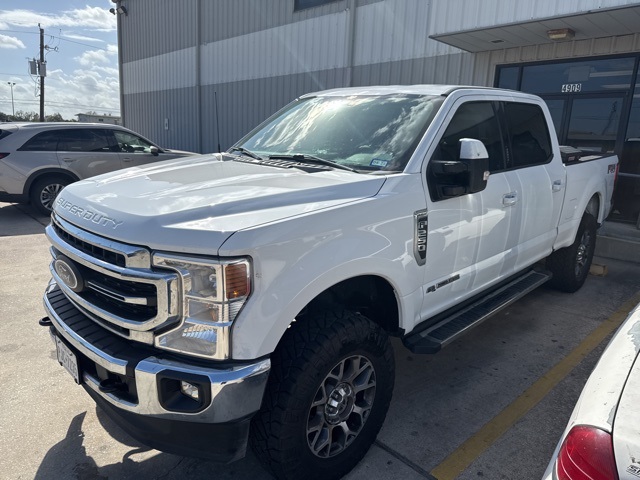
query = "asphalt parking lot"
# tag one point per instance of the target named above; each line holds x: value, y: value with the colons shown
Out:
x: 491, y: 405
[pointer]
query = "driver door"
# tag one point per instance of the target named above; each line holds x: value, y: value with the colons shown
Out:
x: 470, y: 239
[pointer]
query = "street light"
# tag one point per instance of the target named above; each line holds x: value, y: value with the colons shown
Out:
x: 13, y: 110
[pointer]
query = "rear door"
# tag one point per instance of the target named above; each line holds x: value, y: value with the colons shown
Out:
x: 86, y: 152
x: 537, y: 180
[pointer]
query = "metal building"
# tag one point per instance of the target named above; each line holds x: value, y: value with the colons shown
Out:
x: 198, y: 74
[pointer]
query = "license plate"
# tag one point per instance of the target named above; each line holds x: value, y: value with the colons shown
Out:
x: 67, y: 359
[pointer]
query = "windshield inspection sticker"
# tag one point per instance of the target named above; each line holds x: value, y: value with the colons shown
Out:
x: 378, y: 162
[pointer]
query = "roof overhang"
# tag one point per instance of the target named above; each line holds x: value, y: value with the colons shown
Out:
x: 586, y: 25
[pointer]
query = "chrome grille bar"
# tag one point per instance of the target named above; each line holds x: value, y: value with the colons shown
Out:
x: 133, y: 297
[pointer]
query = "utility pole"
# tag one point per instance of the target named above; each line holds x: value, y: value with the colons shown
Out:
x: 41, y: 73
x: 13, y: 109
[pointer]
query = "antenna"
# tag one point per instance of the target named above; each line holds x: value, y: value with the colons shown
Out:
x: 215, y: 106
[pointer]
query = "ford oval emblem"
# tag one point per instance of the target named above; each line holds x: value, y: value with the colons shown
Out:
x: 68, y: 273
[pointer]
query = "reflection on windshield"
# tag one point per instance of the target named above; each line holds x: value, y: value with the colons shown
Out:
x: 363, y: 132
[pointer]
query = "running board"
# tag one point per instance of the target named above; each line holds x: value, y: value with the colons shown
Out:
x: 432, y: 339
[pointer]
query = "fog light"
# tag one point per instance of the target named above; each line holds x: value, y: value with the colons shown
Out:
x: 190, y: 390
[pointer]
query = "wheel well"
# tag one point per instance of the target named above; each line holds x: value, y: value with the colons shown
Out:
x: 44, y: 173
x: 370, y: 295
x: 593, y: 207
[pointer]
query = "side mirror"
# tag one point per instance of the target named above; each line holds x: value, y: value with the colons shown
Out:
x: 468, y: 174
x: 153, y: 150
x: 474, y: 154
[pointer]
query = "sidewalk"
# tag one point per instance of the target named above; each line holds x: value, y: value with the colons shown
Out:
x: 620, y: 241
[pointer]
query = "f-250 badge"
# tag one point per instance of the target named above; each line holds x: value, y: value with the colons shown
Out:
x: 420, y: 236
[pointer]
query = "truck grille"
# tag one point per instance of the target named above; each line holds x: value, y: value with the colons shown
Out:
x: 90, y: 249
x: 112, y: 283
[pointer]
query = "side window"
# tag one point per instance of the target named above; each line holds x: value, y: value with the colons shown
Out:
x: 82, y: 140
x: 302, y: 4
x: 130, y: 143
x: 473, y: 120
x: 42, y: 142
x: 529, y: 139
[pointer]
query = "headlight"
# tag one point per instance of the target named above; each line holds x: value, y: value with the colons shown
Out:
x: 213, y: 292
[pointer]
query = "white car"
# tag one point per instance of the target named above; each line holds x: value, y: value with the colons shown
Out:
x: 37, y: 160
x: 602, y: 438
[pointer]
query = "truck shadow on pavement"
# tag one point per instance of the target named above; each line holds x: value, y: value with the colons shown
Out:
x: 20, y: 220
x: 69, y: 459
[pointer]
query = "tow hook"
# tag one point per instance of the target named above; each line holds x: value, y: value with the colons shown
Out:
x: 45, y: 322
x: 110, y: 385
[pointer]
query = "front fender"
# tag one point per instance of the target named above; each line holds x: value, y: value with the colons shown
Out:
x: 296, y: 260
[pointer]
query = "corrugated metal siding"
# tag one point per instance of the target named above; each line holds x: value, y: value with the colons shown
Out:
x: 162, y: 72
x: 452, y: 69
x: 243, y: 105
x: 395, y: 30
x: 315, y: 44
x: 258, y: 56
x: 146, y: 113
x: 223, y: 19
x: 455, y: 15
x: 154, y: 27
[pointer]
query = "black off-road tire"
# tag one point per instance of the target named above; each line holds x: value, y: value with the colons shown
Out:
x: 570, y: 266
x: 324, y: 349
x: 44, y: 191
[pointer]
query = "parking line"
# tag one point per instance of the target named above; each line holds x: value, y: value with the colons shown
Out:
x: 458, y: 461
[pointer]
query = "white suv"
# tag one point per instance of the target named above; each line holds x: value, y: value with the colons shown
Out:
x: 37, y: 160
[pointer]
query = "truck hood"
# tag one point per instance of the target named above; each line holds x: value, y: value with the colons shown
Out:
x: 193, y: 205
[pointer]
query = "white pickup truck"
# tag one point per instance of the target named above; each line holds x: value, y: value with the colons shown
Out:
x: 249, y: 295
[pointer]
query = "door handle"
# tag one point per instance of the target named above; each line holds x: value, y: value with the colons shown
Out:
x: 127, y: 159
x: 68, y: 160
x: 509, y: 199
x: 557, y: 185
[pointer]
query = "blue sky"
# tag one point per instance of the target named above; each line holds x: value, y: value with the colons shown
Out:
x: 82, y: 56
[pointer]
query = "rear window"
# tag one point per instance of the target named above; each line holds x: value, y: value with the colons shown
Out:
x: 83, y: 140
x: 4, y: 133
x: 528, y: 135
x: 42, y: 142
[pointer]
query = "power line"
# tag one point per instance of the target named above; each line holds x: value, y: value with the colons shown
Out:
x: 16, y: 74
x: 59, y: 37
x: 60, y: 104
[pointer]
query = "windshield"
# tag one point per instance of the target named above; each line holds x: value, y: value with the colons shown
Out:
x: 369, y: 133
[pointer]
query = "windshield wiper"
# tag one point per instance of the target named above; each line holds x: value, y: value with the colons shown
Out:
x: 303, y: 158
x: 246, y: 152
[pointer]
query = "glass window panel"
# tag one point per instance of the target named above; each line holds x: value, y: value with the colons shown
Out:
x: 83, y: 140
x: 42, y: 142
x: 302, y: 4
x: 593, y: 125
x: 130, y: 143
x: 473, y: 120
x: 576, y: 77
x: 528, y: 135
x: 556, y: 108
x: 626, y: 195
x: 377, y: 132
x: 508, y: 77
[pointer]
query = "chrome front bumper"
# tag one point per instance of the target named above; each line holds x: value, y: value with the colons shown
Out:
x: 233, y: 392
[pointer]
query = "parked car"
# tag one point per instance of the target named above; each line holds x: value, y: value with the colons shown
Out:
x: 37, y: 160
x: 602, y: 438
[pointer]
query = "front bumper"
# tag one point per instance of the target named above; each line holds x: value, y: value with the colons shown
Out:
x: 139, y: 387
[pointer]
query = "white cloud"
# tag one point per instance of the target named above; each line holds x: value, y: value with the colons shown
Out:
x: 10, y: 42
x: 84, y: 38
x: 97, y: 18
x: 91, y: 57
